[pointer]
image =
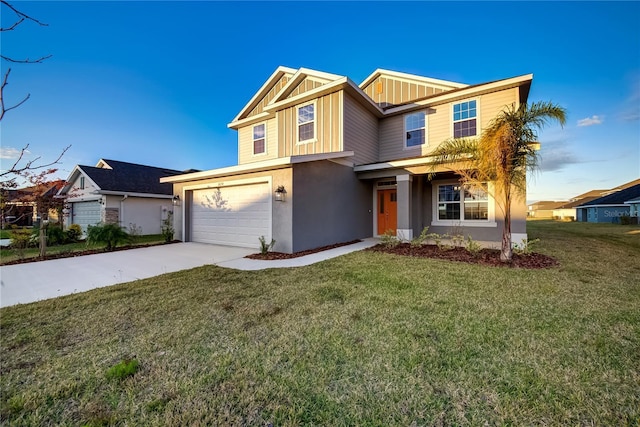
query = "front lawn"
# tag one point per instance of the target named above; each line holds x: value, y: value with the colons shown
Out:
x: 364, y: 339
x: 12, y: 255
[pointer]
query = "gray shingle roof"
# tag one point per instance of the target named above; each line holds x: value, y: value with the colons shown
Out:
x: 617, y: 198
x: 130, y: 177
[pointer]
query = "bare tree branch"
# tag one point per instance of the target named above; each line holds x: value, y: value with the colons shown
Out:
x: 3, y: 108
x: 26, y: 61
x: 31, y: 164
x: 22, y: 16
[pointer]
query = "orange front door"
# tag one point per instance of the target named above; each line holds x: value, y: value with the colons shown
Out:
x: 387, y: 211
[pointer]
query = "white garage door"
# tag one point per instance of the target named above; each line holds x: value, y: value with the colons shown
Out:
x: 235, y: 216
x: 85, y: 214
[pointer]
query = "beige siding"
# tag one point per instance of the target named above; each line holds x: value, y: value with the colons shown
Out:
x: 439, y: 125
x: 387, y: 91
x: 245, y: 143
x: 492, y: 104
x: 328, y: 128
x: 304, y: 86
x: 360, y: 132
x: 269, y: 96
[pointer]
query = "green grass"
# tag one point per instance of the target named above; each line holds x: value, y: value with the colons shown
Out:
x: 364, y: 339
x: 8, y: 255
x: 5, y: 234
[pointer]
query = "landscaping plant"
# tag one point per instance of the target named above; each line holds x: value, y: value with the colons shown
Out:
x: 107, y: 234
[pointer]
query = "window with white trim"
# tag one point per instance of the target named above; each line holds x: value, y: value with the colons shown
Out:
x: 259, y: 139
x: 82, y: 182
x: 415, y: 129
x: 465, y: 119
x: 306, y: 123
x: 462, y: 203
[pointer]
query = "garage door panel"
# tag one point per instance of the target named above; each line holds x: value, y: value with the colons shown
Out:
x: 236, y: 215
x: 85, y: 214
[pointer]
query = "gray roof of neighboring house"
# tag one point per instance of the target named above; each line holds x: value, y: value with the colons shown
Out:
x: 617, y: 198
x: 130, y: 177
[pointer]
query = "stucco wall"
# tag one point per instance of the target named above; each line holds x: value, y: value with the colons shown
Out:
x: 330, y: 205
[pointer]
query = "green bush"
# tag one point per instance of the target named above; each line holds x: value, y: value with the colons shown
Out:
x: 264, y: 247
x: 167, y: 229
x: 109, y: 234
x: 74, y: 233
x: 20, y: 240
x: 389, y: 239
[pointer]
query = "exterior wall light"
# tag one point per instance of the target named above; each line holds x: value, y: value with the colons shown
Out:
x: 280, y: 193
x: 176, y: 200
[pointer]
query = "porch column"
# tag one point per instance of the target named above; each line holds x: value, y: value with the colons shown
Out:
x: 405, y: 228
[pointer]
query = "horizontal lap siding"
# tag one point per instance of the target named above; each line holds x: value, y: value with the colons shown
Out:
x: 328, y: 128
x: 245, y: 143
x: 439, y: 124
x: 360, y: 132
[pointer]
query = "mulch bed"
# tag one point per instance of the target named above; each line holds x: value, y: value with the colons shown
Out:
x: 489, y: 257
x: 270, y: 256
x: 84, y: 252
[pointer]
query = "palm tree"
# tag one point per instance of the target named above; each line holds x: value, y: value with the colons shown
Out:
x: 502, y: 155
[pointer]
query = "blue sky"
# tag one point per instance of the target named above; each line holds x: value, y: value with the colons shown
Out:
x: 157, y: 82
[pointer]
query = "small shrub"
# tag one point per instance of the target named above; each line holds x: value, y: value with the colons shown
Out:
x: 20, y: 240
x: 472, y: 246
x: 526, y: 247
x: 418, y: 241
x: 264, y: 247
x: 389, y: 239
x: 457, y: 240
x: 167, y: 229
x: 109, y: 234
x: 134, y: 233
x: 74, y: 232
x: 628, y: 220
x: 124, y: 369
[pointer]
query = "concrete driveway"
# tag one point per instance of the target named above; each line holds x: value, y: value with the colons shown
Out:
x: 24, y: 283
x: 35, y: 281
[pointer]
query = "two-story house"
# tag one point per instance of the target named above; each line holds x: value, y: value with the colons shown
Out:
x: 353, y: 161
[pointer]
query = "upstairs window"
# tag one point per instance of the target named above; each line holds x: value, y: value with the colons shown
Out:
x: 306, y: 123
x: 462, y: 203
x: 259, y: 139
x: 414, y: 128
x: 82, y: 182
x: 464, y: 119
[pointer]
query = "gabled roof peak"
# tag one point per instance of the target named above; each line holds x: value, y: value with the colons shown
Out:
x: 407, y: 76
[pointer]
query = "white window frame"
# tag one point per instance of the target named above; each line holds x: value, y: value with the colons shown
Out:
x: 491, y: 215
x: 315, y: 123
x: 82, y: 183
x: 405, y: 130
x: 253, y: 139
x: 453, y: 122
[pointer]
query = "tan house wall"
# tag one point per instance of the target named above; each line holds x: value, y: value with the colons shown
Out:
x: 393, y: 91
x: 439, y: 125
x: 360, y: 132
x: 269, y: 96
x: 245, y: 143
x: 328, y: 113
x: 305, y: 85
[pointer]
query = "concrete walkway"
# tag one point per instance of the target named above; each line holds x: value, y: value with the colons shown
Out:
x: 24, y: 283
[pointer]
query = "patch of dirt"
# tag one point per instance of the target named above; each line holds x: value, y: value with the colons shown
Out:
x: 84, y: 252
x: 270, y: 256
x: 489, y: 257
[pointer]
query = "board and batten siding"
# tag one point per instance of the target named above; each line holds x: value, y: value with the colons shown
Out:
x: 245, y: 143
x: 259, y: 108
x: 439, y: 124
x: 304, y: 86
x: 328, y: 139
x: 360, y: 132
x: 386, y: 91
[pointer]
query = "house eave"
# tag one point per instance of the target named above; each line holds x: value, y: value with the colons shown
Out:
x: 132, y: 194
x: 256, y: 167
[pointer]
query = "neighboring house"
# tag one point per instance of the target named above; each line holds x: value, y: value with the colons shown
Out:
x: 117, y: 192
x: 634, y: 208
x: 610, y: 208
x: 543, y: 209
x: 353, y: 161
x: 20, y: 206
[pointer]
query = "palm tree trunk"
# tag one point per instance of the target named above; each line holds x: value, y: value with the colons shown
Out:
x: 506, y: 254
